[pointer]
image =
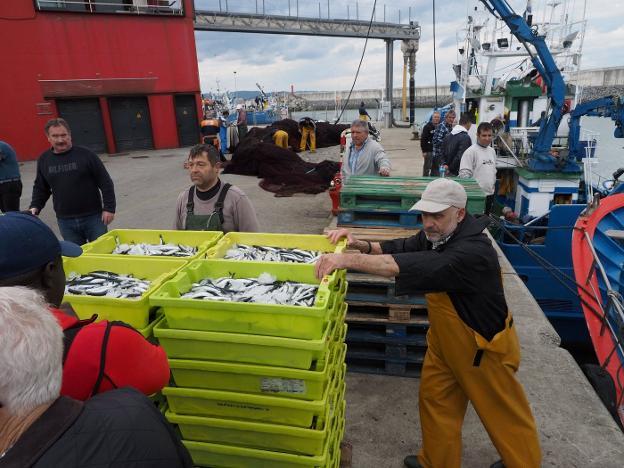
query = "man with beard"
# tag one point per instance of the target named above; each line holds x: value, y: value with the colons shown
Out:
x: 473, y: 351
x: 209, y: 205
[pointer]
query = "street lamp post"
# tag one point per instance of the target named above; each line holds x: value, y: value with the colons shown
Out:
x: 235, y: 89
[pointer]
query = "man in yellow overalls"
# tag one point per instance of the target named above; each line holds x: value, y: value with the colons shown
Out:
x: 280, y: 138
x: 473, y: 352
x: 307, y: 127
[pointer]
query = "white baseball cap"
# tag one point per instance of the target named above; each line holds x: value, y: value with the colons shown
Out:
x: 441, y: 194
x: 239, y: 106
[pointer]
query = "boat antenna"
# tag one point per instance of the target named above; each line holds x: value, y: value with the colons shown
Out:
x: 370, y: 24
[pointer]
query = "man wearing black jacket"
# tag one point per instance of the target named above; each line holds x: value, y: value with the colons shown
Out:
x: 473, y: 351
x: 39, y: 428
x: 426, y: 142
x: 455, y: 143
x: 74, y: 176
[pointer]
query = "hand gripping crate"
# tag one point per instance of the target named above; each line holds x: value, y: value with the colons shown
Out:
x: 285, y: 241
x: 288, y: 321
x: 135, y: 312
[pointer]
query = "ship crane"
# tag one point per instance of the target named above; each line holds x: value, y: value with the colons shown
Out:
x: 543, y: 61
x: 609, y: 107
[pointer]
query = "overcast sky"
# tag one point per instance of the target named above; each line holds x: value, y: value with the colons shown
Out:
x: 324, y: 63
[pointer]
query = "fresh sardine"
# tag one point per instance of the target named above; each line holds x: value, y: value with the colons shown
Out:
x: 260, y: 253
x: 106, y: 283
x: 264, y: 289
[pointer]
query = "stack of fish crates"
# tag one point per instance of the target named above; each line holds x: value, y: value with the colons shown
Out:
x: 372, y: 201
x: 152, y: 255
x: 256, y: 384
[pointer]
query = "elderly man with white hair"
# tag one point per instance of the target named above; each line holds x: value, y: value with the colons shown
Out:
x: 473, y: 352
x: 365, y: 156
x: 39, y: 428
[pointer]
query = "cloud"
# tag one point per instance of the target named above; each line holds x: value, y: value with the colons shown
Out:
x: 322, y: 63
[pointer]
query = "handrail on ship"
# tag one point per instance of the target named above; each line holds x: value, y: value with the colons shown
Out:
x: 161, y: 7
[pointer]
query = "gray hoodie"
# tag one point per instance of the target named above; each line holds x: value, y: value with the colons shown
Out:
x: 368, y: 161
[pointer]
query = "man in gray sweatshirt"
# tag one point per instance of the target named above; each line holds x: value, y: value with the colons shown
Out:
x: 479, y: 162
x: 365, y: 156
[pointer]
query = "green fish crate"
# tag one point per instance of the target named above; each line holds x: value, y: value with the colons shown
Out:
x: 253, y: 407
x: 104, y: 245
x: 334, y: 449
x: 390, y: 194
x: 260, y: 379
x: 287, y: 321
x: 208, y: 454
x: 284, y: 241
x: 259, y: 435
x: 135, y: 312
x: 245, y: 348
x: 148, y: 331
x: 217, y: 455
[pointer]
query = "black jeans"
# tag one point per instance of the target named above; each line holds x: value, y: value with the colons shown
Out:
x: 489, y: 201
x: 10, y: 193
x: 428, y: 157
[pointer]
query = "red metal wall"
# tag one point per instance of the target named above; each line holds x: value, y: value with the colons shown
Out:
x: 92, y: 55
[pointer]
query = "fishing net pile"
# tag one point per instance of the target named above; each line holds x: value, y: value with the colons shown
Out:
x: 282, y: 171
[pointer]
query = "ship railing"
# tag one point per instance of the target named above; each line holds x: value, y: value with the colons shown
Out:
x: 137, y: 7
x: 522, y: 137
x: 614, y: 304
x: 589, y: 140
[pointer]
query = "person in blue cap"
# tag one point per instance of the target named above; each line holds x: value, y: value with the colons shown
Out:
x: 32, y: 256
x: 10, y: 181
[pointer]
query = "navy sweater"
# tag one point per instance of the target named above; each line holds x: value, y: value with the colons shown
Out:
x: 75, y: 179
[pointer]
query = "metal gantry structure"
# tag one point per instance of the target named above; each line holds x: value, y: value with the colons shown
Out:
x: 225, y: 20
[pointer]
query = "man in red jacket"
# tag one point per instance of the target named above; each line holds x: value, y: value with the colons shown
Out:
x: 98, y: 356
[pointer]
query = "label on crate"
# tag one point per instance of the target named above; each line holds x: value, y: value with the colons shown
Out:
x: 277, y: 385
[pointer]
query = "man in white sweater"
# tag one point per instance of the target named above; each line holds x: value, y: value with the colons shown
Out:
x: 479, y: 162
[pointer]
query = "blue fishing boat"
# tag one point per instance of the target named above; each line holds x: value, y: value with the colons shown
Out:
x: 544, y: 166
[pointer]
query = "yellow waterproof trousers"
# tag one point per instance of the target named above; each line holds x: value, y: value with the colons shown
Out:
x: 280, y: 138
x: 461, y: 366
x: 305, y: 133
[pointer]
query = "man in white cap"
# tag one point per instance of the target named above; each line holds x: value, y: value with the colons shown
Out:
x: 473, y: 351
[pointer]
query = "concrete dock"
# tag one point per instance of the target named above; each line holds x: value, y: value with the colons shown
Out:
x: 382, y: 412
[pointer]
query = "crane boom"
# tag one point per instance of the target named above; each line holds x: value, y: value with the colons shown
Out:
x: 610, y: 106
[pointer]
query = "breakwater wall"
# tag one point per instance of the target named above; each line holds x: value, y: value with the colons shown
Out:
x: 424, y: 96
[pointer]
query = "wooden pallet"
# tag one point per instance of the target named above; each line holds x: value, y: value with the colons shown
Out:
x: 370, y: 345
x: 367, y: 288
x: 397, y: 193
x: 346, y: 454
x: 378, y: 217
x: 377, y: 234
x: 385, y: 313
x: 366, y: 364
x: 409, y: 333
